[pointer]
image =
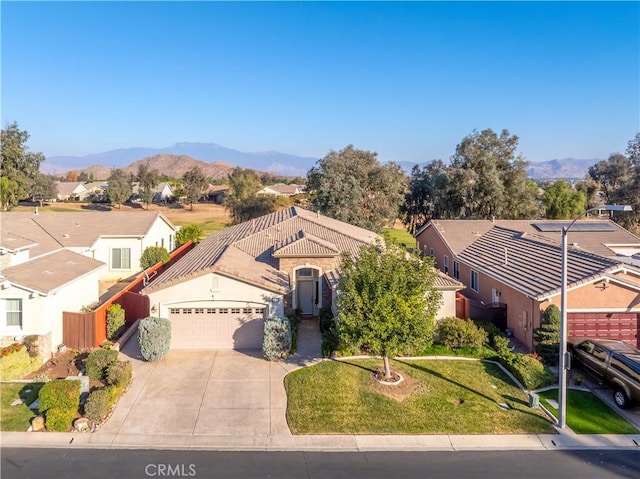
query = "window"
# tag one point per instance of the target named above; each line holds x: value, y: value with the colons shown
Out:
x: 307, y: 272
x: 13, y: 310
x: 186, y: 310
x: 223, y: 311
x: 475, y: 284
x: 170, y: 242
x: 121, y: 258
x: 456, y: 270
x: 246, y: 310
x: 425, y: 248
x: 162, y: 242
x: 235, y: 310
x: 211, y: 310
x: 431, y: 252
x: 446, y: 265
x: 174, y: 310
x: 199, y: 311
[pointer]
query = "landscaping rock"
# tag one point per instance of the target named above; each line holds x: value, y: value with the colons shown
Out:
x: 37, y: 423
x: 17, y: 402
x: 82, y: 424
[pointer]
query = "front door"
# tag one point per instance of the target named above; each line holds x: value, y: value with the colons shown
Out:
x: 305, y: 296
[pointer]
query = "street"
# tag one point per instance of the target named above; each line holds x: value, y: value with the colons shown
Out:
x: 131, y: 464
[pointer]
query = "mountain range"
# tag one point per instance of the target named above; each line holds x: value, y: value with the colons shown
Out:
x: 218, y: 160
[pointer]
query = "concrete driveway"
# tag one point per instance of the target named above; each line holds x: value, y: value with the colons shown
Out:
x: 207, y: 393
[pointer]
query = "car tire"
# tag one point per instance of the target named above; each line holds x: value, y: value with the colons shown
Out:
x: 621, y: 399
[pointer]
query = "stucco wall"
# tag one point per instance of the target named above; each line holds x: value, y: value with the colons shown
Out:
x: 13, y: 259
x: 430, y: 238
x: 160, y: 234
x: 211, y: 290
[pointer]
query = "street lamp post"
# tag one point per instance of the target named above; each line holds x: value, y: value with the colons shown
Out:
x: 564, y: 359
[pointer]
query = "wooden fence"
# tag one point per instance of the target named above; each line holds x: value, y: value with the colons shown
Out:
x: 462, y: 306
x: 89, y: 330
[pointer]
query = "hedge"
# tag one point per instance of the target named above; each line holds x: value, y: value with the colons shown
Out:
x: 457, y: 333
x: 119, y: 373
x: 97, y: 405
x: 115, y: 321
x: 276, y: 343
x: 59, y: 393
x: 98, y: 362
x: 154, y: 336
x: 60, y: 419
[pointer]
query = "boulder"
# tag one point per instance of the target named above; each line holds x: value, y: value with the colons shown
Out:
x: 82, y: 424
x: 37, y: 423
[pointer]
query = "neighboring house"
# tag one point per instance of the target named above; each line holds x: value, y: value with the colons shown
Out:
x: 97, y: 192
x: 512, y: 272
x: 161, y: 193
x: 116, y: 238
x: 33, y: 295
x: 215, y: 193
x: 53, y: 262
x: 71, y: 191
x: 218, y: 295
x: 281, y: 189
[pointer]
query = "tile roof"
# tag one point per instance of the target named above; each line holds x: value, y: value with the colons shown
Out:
x: 446, y: 282
x: 69, y: 187
x: 305, y: 244
x: 258, y: 239
x: 53, y: 230
x: 459, y: 234
x: 531, y: 263
x: 13, y: 242
x: 50, y: 272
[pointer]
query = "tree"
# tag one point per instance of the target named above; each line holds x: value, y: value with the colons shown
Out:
x: 82, y: 176
x: 194, y: 182
x: 426, y: 195
x: 119, y: 189
x: 190, y: 232
x: 631, y: 189
x: 351, y: 186
x: 19, y: 167
x: 547, y: 336
x: 44, y: 188
x: 72, y: 176
x: 611, y: 175
x: 148, y: 179
x: 490, y: 180
x: 562, y: 202
x: 153, y: 255
x: 386, y: 301
x: 242, y: 202
x: 589, y: 187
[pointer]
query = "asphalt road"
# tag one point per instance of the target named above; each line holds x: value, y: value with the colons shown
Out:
x: 125, y: 464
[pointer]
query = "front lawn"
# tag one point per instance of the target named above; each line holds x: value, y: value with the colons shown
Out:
x: 437, y: 397
x: 587, y: 414
x: 402, y: 236
x: 482, y: 352
x: 17, y: 418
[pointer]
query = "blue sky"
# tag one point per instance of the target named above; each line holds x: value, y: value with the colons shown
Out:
x: 408, y: 80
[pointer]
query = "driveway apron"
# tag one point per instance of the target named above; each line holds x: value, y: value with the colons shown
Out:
x: 209, y: 393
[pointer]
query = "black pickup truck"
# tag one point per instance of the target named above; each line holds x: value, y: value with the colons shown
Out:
x: 611, y: 362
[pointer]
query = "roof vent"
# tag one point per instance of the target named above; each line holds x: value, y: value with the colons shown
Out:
x: 77, y: 224
x: 66, y: 235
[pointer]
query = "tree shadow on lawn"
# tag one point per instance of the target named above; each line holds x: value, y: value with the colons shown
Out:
x: 372, y: 371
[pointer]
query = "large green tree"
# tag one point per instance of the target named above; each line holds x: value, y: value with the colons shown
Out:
x: 119, y: 189
x: 426, y: 196
x: 148, y: 179
x: 44, y: 188
x: 350, y: 185
x: 194, y: 181
x: 491, y: 181
x: 562, y: 202
x: 386, y: 301
x: 19, y: 168
x: 242, y: 202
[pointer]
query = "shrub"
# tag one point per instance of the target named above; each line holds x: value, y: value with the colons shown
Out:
x: 98, y: 362
x: 529, y: 371
x: 115, y: 321
x: 153, y: 255
x: 60, y: 394
x: 294, y: 321
x: 547, y: 336
x: 188, y: 233
x: 119, y: 373
x: 491, y: 329
x: 97, y: 404
x: 276, y: 343
x: 115, y: 391
x: 60, y: 419
x: 501, y: 345
x: 16, y: 363
x: 457, y: 333
x: 154, y: 337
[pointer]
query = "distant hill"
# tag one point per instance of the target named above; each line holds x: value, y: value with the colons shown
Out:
x: 564, y: 168
x: 269, y: 161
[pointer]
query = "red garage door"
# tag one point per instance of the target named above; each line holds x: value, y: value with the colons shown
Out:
x: 622, y: 326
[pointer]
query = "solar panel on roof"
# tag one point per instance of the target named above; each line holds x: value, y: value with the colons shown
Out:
x: 577, y: 226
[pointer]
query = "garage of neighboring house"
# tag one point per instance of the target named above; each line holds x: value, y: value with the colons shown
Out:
x: 216, y: 328
x: 621, y: 326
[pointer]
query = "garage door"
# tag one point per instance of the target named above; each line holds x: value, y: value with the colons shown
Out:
x: 622, y: 326
x: 216, y: 328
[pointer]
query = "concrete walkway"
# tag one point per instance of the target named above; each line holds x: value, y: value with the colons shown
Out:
x: 230, y: 400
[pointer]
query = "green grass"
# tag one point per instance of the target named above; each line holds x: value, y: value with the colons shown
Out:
x: 401, y: 236
x: 447, y: 397
x: 587, y: 414
x: 208, y: 227
x: 17, y: 418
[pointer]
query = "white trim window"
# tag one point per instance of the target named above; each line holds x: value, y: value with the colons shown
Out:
x: 446, y: 264
x: 13, y: 313
x: 475, y: 281
x: 121, y: 258
x: 456, y: 270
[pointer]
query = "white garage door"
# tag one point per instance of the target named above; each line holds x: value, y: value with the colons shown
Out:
x: 216, y: 328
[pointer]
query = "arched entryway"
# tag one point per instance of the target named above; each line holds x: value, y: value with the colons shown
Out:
x: 308, y: 292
